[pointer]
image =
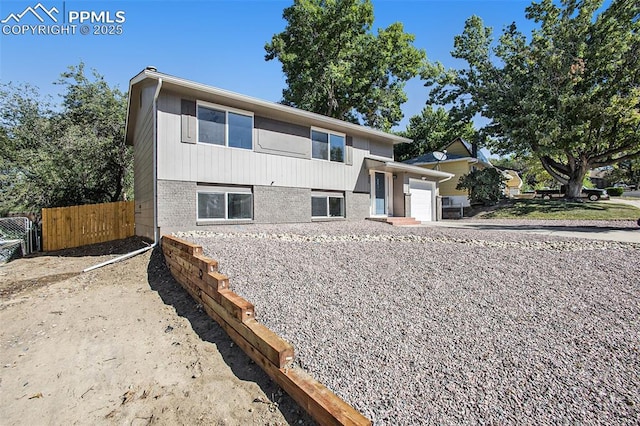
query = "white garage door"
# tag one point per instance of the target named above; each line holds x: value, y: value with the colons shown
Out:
x: 421, y: 194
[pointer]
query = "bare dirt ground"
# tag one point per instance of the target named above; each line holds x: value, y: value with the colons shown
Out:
x: 123, y: 344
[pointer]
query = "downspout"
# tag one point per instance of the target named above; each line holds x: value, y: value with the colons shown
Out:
x: 439, y: 198
x: 156, y: 236
x: 155, y: 191
x: 446, y: 179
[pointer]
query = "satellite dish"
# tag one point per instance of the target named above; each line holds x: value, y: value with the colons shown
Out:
x: 440, y: 156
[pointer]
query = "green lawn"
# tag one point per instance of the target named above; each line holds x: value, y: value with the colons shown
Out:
x: 563, y: 210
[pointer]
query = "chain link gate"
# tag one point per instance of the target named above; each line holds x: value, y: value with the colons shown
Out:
x: 18, y: 237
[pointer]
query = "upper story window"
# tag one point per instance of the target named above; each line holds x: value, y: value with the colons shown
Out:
x: 327, y: 145
x: 221, y: 126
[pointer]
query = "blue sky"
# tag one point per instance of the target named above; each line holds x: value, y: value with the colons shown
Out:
x: 217, y: 42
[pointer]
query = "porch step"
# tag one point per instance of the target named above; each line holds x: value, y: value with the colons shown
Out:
x: 402, y: 221
x: 398, y: 221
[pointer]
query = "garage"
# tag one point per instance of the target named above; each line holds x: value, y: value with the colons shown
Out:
x: 421, y: 199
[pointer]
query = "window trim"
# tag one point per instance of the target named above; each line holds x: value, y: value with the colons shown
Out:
x: 226, y: 111
x: 329, y: 133
x: 226, y: 191
x: 327, y: 195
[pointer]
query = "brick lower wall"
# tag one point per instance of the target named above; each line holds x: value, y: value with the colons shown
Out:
x: 272, y: 204
x: 177, y: 206
x: 357, y: 205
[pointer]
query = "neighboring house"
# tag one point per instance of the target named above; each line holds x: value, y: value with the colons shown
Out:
x: 513, y: 183
x: 459, y: 161
x: 600, y: 177
x: 206, y: 156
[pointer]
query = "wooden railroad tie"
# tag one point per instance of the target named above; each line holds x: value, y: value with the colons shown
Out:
x: 200, y: 277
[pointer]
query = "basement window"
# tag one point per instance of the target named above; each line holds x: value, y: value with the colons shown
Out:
x: 218, y: 203
x: 327, y: 204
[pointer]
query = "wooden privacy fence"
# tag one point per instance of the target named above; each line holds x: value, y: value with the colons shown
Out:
x: 200, y: 277
x: 75, y: 226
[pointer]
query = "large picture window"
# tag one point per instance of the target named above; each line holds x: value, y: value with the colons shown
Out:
x: 219, y: 126
x: 225, y: 203
x: 327, y: 204
x: 327, y: 146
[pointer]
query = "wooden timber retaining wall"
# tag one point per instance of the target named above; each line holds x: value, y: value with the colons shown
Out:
x: 75, y: 226
x: 200, y: 277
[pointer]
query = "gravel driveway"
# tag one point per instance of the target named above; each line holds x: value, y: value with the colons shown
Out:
x: 449, y: 326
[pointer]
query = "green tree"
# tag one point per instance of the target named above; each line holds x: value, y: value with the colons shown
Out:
x: 431, y: 130
x: 93, y: 119
x: 66, y: 155
x: 569, y: 94
x: 485, y: 186
x: 25, y: 129
x: 335, y: 65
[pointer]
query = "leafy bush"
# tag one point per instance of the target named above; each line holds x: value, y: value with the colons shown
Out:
x: 615, y: 191
x: 484, y: 186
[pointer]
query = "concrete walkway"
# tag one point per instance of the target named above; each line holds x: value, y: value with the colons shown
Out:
x: 635, y: 202
x: 607, y: 233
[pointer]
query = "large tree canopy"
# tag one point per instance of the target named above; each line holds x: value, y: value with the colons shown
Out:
x: 53, y: 156
x: 335, y: 65
x: 569, y: 94
x: 431, y: 130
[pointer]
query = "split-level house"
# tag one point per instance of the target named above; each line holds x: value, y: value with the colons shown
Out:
x: 206, y: 156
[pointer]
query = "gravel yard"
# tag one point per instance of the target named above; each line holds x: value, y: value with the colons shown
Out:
x: 449, y: 326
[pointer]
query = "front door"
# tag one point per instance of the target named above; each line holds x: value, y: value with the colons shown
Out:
x: 380, y: 188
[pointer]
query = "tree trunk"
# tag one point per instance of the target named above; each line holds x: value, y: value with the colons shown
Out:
x: 570, y: 175
x: 119, y: 186
x: 574, y: 187
x: 576, y: 179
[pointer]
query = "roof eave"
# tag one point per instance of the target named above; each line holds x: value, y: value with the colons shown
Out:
x: 471, y: 160
x: 142, y: 75
x: 315, y: 119
x: 392, y: 165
